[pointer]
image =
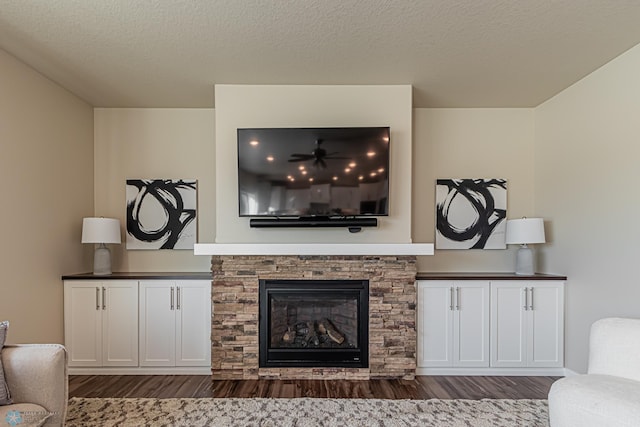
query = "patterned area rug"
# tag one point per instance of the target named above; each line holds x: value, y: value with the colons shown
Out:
x: 304, y: 412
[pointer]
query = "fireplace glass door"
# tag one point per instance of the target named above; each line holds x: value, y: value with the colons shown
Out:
x: 321, y: 323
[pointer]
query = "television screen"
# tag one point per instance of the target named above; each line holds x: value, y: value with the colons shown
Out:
x: 313, y: 172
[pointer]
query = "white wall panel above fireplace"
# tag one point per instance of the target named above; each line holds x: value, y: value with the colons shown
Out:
x: 313, y: 249
x: 269, y: 106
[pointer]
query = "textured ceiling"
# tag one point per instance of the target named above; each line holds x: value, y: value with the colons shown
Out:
x: 455, y: 53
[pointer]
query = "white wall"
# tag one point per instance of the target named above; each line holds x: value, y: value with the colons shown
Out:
x: 46, y: 167
x: 587, y: 173
x: 148, y: 143
x: 471, y: 143
x: 246, y: 106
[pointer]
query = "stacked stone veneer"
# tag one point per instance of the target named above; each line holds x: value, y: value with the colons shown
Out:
x: 392, y: 313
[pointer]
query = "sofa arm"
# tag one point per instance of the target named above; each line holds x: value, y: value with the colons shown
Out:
x: 594, y: 401
x: 614, y: 348
x: 37, y: 373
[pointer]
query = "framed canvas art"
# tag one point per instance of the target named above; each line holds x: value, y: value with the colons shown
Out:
x: 161, y: 213
x: 471, y: 213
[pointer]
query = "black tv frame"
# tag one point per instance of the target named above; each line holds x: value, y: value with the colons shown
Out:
x: 354, y: 223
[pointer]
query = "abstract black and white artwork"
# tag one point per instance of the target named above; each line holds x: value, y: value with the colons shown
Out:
x: 471, y: 213
x: 161, y: 213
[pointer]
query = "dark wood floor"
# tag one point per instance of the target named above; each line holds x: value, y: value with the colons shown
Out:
x: 424, y: 387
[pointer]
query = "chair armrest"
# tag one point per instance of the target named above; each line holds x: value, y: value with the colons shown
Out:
x: 37, y: 373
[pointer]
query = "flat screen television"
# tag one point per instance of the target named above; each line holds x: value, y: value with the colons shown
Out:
x: 313, y: 172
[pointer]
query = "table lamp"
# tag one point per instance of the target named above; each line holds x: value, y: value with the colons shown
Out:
x: 524, y: 232
x: 101, y: 231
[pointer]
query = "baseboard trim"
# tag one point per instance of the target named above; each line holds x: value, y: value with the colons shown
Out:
x: 181, y: 370
x: 569, y: 372
x: 533, y: 372
x: 553, y: 372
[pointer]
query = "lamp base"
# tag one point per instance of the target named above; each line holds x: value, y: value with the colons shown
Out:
x: 524, y: 261
x: 102, y: 261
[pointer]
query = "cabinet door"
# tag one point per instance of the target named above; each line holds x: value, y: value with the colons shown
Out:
x: 471, y: 324
x: 546, y: 325
x: 508, y: 324
x: 435, y: 324
x: 193, y: 323
x: 83, y: 322
x: 157, y: 323
x: 120, y: 323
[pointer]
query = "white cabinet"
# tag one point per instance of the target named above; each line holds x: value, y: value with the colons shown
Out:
x: 490, y: 324
x: 453, y: 324
x: 175, y: 323
x: 101, y: 323
x: 152, y: 323
x: 527, y: 328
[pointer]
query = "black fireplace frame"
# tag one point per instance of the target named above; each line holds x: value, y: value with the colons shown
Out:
x: 303, y: 357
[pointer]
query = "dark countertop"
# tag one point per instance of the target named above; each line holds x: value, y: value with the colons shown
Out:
x: 206, y: 275
x: 485, y: 276
x: 190, y: 275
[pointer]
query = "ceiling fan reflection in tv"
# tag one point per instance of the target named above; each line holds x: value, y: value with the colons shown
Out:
x: 318, y: 155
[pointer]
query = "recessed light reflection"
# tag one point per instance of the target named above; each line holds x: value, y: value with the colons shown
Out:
x: 352, y: 165
x: 335, y: 178
x: 270, y: 158
x: 310, y: 179
x: 304, y: 172
x: 385, y: 139
x: 254, y: 143
x: 381, y: 170
x: 347, y: 170
x: 360, y: 177
x: 301, y: 167
x: 371, y: 153
x: 373, y: 174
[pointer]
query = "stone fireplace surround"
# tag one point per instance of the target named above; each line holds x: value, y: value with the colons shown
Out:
x: 392, y: 312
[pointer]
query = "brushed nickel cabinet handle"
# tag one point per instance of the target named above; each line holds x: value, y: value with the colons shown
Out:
x: 526, y: 299
x: 178, y: 298
x: 172, y: 298
x: 97, y: 298
x: 104, y: 298
x: 531, y: 300
x: 458, y: 298
x: 451, y: 298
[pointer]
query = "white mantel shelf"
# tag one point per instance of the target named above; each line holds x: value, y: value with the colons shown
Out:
x: 313, y: 249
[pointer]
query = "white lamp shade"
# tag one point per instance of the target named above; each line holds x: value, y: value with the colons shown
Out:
x: 525, y: 231
x: 100, y: 230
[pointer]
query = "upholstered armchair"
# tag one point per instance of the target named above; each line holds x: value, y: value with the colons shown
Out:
x: 609, y: 394
x: 37, y: 378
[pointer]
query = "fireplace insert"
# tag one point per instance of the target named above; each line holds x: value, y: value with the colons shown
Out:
x: 314, y: 323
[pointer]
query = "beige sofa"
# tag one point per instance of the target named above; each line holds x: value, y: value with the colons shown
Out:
x: 609, y: 394
x: 38, y: 381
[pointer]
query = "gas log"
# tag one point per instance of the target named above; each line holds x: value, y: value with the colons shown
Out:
x: 312, y: 337
x: 326, y: 327
x: 289, y: 336
x: 313, y: 334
